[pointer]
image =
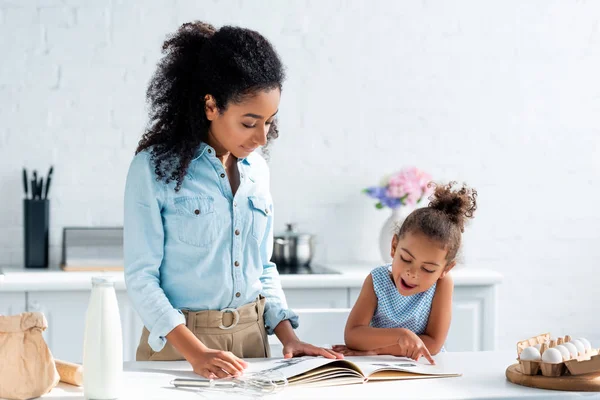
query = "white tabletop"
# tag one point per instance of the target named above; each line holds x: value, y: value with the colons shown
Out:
x: 483, y: 378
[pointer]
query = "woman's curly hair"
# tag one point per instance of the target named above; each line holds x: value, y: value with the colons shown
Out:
x: 229, y: 64
x: 445, y: 217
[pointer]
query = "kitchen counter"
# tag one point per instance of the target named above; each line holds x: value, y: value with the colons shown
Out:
x: 352, y: 275
x: 483, y: 378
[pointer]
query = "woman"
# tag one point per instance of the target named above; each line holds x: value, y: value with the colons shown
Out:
x: 198, y: 210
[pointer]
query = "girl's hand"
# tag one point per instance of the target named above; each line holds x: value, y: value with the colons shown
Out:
x: 413, y: 347
x: 213, y: 364
x: 295, y: 348
x: 340, y: 348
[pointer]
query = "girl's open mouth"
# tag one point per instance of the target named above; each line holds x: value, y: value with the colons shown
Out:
x: 405, y: 285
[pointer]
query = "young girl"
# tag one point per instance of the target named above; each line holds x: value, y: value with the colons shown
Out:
x: 404, y: 309
x: 198, y: 224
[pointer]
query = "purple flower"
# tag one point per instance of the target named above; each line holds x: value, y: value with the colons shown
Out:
x: 406, y: 187
x: 376, y: 192
x: 391, y: 202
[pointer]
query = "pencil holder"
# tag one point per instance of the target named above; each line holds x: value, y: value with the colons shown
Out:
x: 36, y: 224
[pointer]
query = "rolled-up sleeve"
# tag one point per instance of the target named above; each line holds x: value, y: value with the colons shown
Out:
x: 276, y: 309
x: 143, y: 246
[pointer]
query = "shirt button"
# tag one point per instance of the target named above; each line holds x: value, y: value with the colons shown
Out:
x: 237, y: 232
x: 238, y: 294
x: 237, y: 263
x: 209, y: 151
x: 266, y: 211
x: 222, y: 175
x: 234, y: 204
x: 196, y: 212
x: 242, y: 175
x: 267, y: 327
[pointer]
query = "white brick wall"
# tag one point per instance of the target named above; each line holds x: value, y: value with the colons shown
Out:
x: 503, y: 95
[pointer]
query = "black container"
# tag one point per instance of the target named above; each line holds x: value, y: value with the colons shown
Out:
x: 36, y: 226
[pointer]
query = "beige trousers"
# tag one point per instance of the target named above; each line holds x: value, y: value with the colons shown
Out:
x: 240, y: 331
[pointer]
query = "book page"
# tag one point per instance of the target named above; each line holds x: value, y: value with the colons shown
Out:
x: 329, y: 372
x: 373, y: 365
x: 319, y: 371
x: 291, y: 367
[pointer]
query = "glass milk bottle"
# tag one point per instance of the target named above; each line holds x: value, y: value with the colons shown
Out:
x: 103, y: 343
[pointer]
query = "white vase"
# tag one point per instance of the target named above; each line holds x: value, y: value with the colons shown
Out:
x: 389, y: 228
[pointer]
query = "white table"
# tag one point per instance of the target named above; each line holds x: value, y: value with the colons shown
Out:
x: 483, y: 378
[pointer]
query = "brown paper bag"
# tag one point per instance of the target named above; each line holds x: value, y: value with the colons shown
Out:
x: 27, y: 368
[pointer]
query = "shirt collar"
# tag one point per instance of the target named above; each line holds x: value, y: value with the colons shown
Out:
x: 204, y: 148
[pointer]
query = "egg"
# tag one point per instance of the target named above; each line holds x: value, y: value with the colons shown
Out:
x: 572, y: 348
x: 530, y: 354
x: 552, y: 356
x: 586, y: 343
x: 579, y: 345
x: 566, y: 354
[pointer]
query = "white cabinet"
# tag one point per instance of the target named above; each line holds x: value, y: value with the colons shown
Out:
x: 131, y: 324
x: 317, y: 298
x: 473, y: 319
x: 12, y: 303
x: 65, y: 313
x: 323, y: 303
x: 323, y: 314
x: 318, y: 326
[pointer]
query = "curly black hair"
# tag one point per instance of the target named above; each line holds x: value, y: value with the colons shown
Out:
x: 445, y: 217
x: 229, y: 63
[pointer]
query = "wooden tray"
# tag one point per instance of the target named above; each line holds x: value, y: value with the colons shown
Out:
x: 576, y: 383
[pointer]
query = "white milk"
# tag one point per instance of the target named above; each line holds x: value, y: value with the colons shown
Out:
x: 103, y: 343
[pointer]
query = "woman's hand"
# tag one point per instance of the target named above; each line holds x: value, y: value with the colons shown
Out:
x: 412, y: 346
x: 295, y: 348
x: 340, y: 348
x: 214, y: 364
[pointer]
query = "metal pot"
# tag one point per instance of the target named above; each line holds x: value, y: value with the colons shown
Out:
x: 292, y: 248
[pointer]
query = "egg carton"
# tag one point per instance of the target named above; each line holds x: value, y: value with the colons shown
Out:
x: 584, y: 363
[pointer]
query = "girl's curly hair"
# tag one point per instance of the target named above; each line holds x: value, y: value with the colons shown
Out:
x: 445, y: 217
x: 229, y: 63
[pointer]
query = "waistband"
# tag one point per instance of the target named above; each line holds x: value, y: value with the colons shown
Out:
x: 226, y: 318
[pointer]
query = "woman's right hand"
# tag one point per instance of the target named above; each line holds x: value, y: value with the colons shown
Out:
x: 413, y: 347
x: 213, y: 364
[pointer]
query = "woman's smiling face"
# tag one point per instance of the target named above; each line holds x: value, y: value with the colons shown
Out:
x: 242, y: 127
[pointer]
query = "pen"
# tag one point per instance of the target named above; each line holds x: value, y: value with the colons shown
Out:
x: 25, y: 181
x: 34, y: 185
x: 40, y: 188
x: 48, y: 179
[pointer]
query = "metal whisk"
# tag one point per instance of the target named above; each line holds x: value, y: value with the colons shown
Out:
x: 255, y: 384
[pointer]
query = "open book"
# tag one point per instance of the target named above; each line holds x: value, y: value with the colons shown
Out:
x: 319, y: 371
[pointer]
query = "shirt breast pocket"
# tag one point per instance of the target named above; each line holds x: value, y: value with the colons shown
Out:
x: 197, y: 220
x: 261, y: 210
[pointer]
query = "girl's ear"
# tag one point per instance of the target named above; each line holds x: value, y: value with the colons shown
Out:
x: 447, y: 269
x: 210, y: 107
x: 395, y: 241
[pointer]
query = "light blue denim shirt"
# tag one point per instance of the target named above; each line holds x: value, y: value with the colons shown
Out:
x: 200, y: 248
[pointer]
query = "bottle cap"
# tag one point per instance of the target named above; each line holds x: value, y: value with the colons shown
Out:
x: 103, y: 280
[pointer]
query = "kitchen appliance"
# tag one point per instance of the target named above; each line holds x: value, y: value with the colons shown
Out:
x: 305, y: 270
x: 292, y: 248
x: 92, y: 248
x: 293, y: 253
